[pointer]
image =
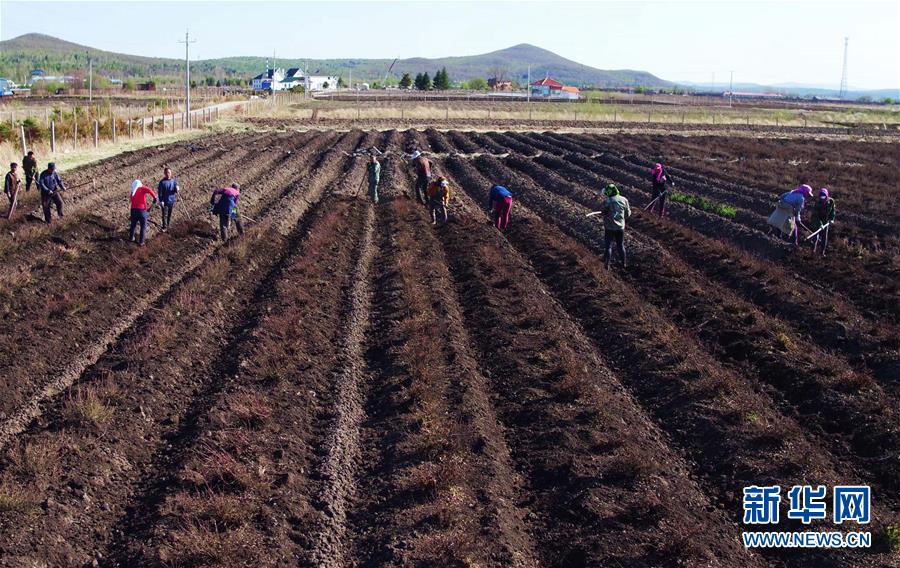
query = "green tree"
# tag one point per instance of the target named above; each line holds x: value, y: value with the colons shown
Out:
x: 341, y: 84
x: 442, y: 80
x: 887, y: 100
x: 423, y: 81
x: 476, y: 84
x: 406, y: 82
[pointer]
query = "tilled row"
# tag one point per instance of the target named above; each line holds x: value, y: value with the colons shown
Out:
x: 93, y: 304
x: 119, y: 433
x: 436, y: 485
x: 823, y: 390
x: 719, y: 419
x: 833, y: 324
x: 109, y: 214
x: 599, y: 476
x: 865, y: 275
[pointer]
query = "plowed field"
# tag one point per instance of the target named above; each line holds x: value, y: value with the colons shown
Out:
x: 346, y: 384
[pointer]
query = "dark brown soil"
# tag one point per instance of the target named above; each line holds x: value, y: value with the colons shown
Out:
x: 347, y: 384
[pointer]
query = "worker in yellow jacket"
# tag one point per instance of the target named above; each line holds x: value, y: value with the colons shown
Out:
x: 438, y: 194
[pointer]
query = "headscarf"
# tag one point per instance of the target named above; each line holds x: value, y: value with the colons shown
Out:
x: 657, y: 172
x: 415, y: 155
x: 803, y: 189
x: 135, y: 185
x: 611, y: 190
x: 823, y: 194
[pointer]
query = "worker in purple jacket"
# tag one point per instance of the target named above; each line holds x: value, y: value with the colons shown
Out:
x: 226, y: 209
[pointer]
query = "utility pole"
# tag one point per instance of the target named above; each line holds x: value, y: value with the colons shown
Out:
x: 843, y: 90
x: 187, y: 77
x: 90, y: 81
x: 274, y: 68
x: 528, y: 87
x: 731, y: 89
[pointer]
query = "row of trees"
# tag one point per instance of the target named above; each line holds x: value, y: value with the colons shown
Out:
x: 424, y: 82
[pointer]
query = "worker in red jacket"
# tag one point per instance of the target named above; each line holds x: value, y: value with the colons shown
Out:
x: 139, y: 193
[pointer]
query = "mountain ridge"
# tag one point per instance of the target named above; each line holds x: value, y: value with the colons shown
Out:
x: 55, y: 55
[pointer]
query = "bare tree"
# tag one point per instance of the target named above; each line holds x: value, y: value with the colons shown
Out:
x: 497, y: 72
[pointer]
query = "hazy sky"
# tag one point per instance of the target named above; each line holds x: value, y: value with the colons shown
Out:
x: 763, y: 41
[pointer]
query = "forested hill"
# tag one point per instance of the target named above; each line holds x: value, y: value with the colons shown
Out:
x: 18, y: 56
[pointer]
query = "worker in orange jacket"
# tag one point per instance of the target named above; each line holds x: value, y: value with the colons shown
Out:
x: 438, y: 194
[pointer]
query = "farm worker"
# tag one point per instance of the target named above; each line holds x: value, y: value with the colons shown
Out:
x: 51, y: 185
x: 373, y: 171
x: 500, y: 204
x: 11, y: 187
x: 660, y: 176
x: 226, y: 209
x: 796, y: 199
x: 438, y: 193
x: 139, y: 215
x: 29, y: 164
x: 166, y: 189
x: 823, y: 212
x: 615, y: 210
x: 423, y: 175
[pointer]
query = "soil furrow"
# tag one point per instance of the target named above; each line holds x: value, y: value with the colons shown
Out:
x: 875, y: 342
x: 163, y: 409
x: 437, y: 485
x: 719, y: 420
x: 31, y: 374
x: 556, y: 400
x: 330, y: 545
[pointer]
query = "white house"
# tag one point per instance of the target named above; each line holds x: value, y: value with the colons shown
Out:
x: 287, y: 80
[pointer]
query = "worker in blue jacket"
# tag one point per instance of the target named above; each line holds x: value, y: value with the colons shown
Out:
x: 166, y: 189
x: 50, y: 185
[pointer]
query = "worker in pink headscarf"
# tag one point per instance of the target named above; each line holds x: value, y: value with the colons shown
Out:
x: 659, y: 177
x: 796, y: 199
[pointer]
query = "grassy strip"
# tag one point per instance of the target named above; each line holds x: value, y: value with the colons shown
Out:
x: 719, y: 209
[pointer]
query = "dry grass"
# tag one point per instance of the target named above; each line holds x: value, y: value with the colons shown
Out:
x: 203, y: 545
x: 88, y: 406
x: 16, y: 499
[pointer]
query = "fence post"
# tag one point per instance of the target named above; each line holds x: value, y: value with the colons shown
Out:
x: 114, y: 129
x: 130, y: 135
x: 152, y: 126
x: 648, y: 115
x: 96, y: 133
x: 53, y: 136
x: 75, y: 137
x: 22, y: 132
x: 143, y: 128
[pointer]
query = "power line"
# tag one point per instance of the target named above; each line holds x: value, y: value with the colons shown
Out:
x: 187, y: 77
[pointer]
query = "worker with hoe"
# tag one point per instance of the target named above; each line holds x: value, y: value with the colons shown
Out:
x: 438, y: 193
x: 499, y: 205
x: 11, y: 187
x: 227, y: 209
x: 786, y: 216
x: 373, y: 173
x: 167, y: 188
x: 615, y: 210
x: 30, y: 166
x: 423, y: 175
x: 51, y: 185
x: 139, y: 214
x: 823, y: 214
x: 659, y: 176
